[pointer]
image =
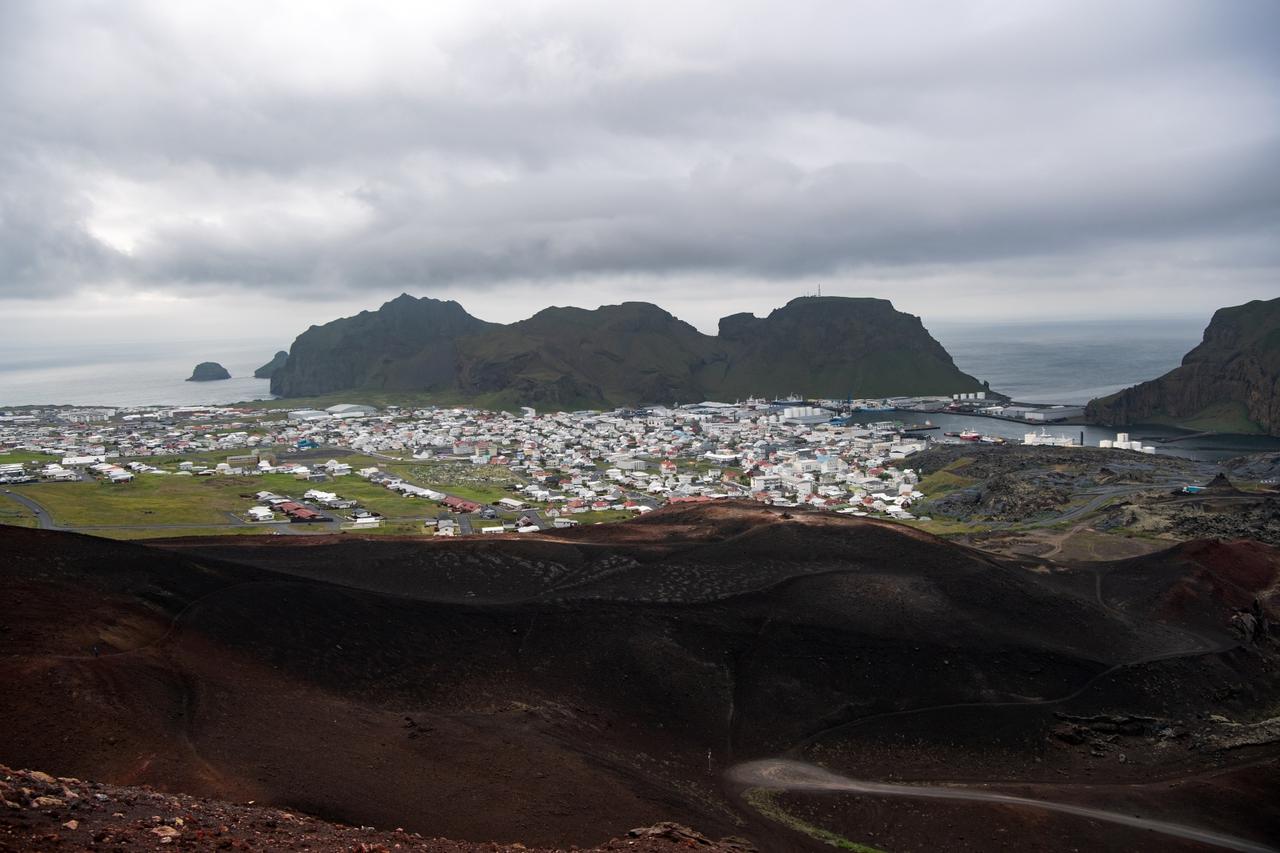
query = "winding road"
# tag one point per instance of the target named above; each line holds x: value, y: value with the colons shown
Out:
x: 788, y: 775
x: 43, y: 519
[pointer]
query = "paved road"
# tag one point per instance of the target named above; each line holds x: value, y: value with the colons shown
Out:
x: 1097, y: 498
x: 783, y: 774
x: 43, y: 519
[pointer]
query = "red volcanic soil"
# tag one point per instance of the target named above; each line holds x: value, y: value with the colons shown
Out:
x: 1198, y: 584
x: 42, y: 812
x: 557, y: 689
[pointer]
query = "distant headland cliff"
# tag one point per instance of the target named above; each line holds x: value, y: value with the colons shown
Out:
x: 1229, y: 383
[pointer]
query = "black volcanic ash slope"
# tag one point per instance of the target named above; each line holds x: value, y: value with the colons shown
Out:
x: 629, y: 354
x: 579, y: 679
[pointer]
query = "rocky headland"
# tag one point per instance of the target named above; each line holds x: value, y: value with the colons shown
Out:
x: 1229, y: 383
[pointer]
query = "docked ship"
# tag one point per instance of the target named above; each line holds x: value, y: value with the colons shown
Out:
x: 1045, y: 439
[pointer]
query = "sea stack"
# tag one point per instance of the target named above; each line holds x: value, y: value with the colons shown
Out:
x: 208, y: 371
x: 269, y: 369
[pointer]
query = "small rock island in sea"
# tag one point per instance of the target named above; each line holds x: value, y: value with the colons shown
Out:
x: 208, y: 371
x: 268, y: 370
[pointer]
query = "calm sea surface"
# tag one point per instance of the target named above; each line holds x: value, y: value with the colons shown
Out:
x: 1069, y: 362
x: 131, y: 374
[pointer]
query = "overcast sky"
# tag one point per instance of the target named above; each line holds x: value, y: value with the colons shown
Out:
x: 245, y: 169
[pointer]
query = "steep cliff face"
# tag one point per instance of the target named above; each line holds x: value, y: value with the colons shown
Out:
x: 406, y: 345
x: 1230, y: 382
x: 629, y: 354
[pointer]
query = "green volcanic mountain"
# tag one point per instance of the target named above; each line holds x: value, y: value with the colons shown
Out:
x: 406, y: 345
x: 1229, y: 383
x: 629, y: 354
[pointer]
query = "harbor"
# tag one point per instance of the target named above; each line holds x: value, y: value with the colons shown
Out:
x: 1168, y: 441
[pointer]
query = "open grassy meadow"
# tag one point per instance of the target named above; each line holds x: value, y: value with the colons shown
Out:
x: 156, y: 499
x: 24, y: 456
x: 15, y: 514
x: 479, y: 483
x: 166, y: 505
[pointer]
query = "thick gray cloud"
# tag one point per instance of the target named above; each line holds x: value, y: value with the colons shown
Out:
x: 184, y: 148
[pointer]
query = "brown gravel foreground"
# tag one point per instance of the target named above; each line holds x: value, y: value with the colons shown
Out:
x: 39, y: 812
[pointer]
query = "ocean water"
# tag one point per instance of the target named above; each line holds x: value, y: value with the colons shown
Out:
x: 131, y: 373
x: 1067, y: 362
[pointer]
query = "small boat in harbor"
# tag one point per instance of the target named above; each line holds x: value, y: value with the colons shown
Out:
x: 969, y: 435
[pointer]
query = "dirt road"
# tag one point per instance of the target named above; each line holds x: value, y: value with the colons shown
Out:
x: 787, y: 775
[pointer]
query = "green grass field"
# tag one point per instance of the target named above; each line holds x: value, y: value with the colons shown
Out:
x: 15, y: 514
x: 178, y: 532
x: 394, y: 528
x: 196, y: 501
x: 162, y: 505
x: 477, y: 493
x: 766, y: 803
x: 27, y: 456
x: 1220, y: 417
x: 606, y: 516
x: 147, y: 500
x: 479, y: 483
x: 947, y: 479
